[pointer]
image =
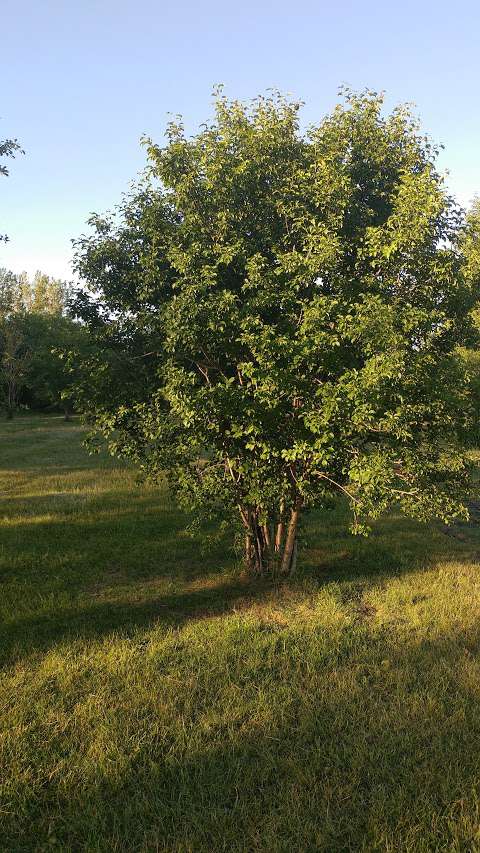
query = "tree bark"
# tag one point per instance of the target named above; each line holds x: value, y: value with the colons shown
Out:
x: 280, y: 529
x: 289, y: 550
x: 267, y: 549
x: 257, y: 542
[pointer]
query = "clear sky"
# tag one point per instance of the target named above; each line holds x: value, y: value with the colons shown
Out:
x: 82, y: 80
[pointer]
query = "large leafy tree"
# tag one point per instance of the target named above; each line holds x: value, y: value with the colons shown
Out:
x: 276, y: 316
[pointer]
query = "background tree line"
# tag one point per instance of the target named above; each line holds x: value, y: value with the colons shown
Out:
x: 36, y: 333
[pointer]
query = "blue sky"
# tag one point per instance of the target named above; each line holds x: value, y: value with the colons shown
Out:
x: 83, y: 80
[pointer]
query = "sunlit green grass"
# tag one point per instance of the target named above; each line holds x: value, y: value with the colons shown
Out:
x: 153, y: 699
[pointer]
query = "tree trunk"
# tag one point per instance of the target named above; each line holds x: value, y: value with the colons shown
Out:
x: 290, y: 549
x: 280, y: 532
x: 257, y: 547
x: 267, y: 549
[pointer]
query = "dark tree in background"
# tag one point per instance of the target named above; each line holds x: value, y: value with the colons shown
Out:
x: 36, y: 335
x: 277, y: 317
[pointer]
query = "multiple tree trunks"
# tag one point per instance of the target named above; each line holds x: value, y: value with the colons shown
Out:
x: 271, y: 545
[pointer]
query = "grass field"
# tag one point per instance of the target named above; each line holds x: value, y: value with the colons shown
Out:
x: 151, y: 699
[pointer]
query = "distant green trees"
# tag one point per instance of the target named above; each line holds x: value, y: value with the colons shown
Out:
x: 35, y: 335
x: 13, y: 364
x: 278, y: 317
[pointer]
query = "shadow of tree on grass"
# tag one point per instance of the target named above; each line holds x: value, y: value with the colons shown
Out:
x: 332, y: 766
x: 129, y: 566
x: 99, y: 619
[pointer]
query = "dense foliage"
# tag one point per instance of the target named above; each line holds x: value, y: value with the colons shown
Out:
x: 277, y: 317
x: 35, y: 336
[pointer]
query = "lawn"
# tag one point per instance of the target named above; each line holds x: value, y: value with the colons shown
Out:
x: 153, y: 699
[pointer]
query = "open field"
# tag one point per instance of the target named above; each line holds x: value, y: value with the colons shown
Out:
x: 151, y: 699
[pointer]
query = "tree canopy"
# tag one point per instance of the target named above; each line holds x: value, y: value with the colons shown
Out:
x: 277, y: 315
